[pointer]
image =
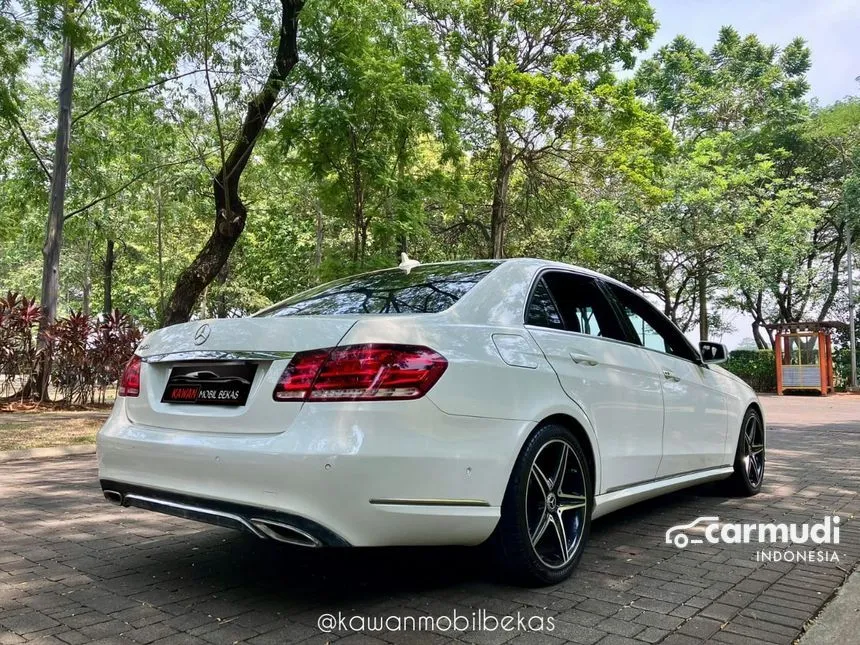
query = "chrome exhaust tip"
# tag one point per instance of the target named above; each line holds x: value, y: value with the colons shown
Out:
x: 281, y: 532
x: 113, y: 497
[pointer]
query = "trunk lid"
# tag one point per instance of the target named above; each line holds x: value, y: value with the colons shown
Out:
x: 265, y: 343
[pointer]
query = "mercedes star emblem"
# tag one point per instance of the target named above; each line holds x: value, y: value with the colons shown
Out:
x: 202, y: 334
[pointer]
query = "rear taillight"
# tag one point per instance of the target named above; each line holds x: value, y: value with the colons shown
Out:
x: 129, y: 384
x: 360, y: 373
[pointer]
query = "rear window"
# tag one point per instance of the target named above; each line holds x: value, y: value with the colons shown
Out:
x: 425, y: 289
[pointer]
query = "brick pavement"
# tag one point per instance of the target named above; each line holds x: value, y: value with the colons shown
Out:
x: 74, y: 569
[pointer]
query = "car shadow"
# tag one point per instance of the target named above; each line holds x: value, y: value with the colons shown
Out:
x: 338, y: 577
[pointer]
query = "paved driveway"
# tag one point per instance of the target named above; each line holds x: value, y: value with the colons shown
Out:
x: 74, y: 569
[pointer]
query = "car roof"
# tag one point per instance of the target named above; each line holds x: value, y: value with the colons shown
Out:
x: 535, y: 263
x: 520, y: 270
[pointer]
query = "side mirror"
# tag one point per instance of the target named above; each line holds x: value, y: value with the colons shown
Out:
x: 713, y: 352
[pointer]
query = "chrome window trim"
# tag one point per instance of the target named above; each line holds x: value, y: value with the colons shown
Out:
x: 601, y: 283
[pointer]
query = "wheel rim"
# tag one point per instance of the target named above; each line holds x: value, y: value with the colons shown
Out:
x: 753, y: 451
x: 556, y: 503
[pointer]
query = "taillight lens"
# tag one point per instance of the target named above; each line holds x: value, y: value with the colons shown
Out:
x: 129, y: 384
x: 360, y: 373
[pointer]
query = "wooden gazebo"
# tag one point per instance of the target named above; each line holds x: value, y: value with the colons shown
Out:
x: 804, y: 355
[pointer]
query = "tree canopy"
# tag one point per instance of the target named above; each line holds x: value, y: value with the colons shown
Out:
x: 709, y: 179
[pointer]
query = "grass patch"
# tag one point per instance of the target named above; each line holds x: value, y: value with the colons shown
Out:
x: 46, y: 430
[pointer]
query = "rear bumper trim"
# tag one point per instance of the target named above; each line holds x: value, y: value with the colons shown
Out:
x: 209, y: 516
x: 241, y: 517
x: 400, y: 501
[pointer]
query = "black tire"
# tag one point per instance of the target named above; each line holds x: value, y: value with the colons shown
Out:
x: 567, y: 503
x: 749, y: 457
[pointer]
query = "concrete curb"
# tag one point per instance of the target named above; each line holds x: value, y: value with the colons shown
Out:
x: 837, y: 622
x: 41, y: 453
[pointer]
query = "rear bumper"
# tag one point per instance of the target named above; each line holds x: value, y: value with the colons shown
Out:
x: 396, y: 473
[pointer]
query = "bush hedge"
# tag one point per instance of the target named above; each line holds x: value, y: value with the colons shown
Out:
x: 758, y: 368
x: 755, y: 366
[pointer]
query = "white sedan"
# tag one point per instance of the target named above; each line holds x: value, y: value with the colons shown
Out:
x: 447, y: 403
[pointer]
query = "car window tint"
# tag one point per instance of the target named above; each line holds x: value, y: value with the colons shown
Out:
x: 424, y: 290
x: 650, y: 328
x: 542, y: 311
x: 583, y: 307
x: 646, y: 334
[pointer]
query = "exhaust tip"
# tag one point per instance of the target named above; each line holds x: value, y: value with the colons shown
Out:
x: 113, y: 497
x: 281, y: 532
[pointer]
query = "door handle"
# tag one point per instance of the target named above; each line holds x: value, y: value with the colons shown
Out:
x: 583, y: 359
x: 669, y: 376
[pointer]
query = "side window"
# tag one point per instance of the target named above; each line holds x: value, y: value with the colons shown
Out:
x: 542, y: 311
x: 582, y: 305
x: 648, y: 336
x: 650, y: 329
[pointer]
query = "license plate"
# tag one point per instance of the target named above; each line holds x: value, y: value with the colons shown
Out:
x: 210, y: 384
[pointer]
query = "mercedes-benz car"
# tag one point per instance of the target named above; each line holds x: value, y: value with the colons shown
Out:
x: 508, y: 401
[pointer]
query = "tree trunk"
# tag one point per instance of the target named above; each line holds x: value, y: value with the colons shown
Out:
x: 54, y: 227
x: 760, y: 342
x: 499, y: 211
x: 359, y: 225
x: 159, y: 231
x: 703, y: 303
x: 230, y: 212
x: 110, y: 257
x: 88, y: 277
x: 320, y: 235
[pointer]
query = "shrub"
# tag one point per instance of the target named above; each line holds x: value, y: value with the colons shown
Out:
x: 755, y: 366
x: 87, y: 353
x: 842, y: 368
x: 18, y: 357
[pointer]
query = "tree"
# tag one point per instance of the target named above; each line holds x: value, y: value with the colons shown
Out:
x: 230, y: 211
x: 742, y: 95
x: 373, y: 94
x: 539, y: 80
x: 82, y: 33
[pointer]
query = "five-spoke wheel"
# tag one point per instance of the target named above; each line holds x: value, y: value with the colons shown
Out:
x: 750, y: 455
x: 556, y: 503
x: 546, y: 512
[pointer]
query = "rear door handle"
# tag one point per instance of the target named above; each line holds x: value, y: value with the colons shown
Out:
x: 583, y: 359
x: 669, y: 376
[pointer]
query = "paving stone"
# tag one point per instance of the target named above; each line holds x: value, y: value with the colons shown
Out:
x: 719, y: 611
x: 27, y: 623
x: 652, y: 635
x: 652, y: 619
x: 701, y: 628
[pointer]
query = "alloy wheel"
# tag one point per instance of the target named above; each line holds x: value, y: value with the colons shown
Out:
x: 753, y: 450
x: 556, y: 503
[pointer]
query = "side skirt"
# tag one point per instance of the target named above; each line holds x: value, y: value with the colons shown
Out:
x: 614, y: 500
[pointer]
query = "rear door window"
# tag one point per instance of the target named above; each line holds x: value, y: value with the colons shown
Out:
x: 425, y: 289
x: 572, y: 302
x: 542, y: 311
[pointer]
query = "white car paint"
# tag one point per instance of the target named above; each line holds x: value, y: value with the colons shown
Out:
x: 431, y: 470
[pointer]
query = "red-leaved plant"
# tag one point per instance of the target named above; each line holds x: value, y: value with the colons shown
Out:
x: 19, y: 318
x: 87, y: 354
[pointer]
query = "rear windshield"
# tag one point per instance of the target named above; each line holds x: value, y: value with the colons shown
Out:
x: 425, y: 289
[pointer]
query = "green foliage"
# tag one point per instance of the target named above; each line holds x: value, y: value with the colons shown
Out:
x: 732, y: 202
x: 756, y: 367
x: 446, y: 128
